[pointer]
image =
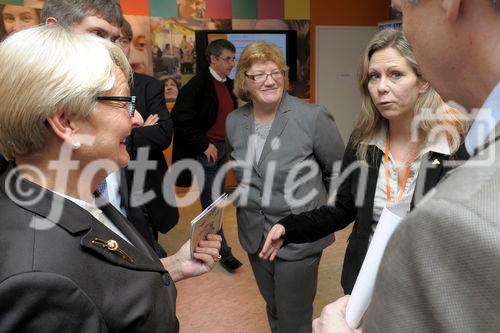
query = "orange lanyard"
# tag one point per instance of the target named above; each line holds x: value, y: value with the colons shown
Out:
x: 387, y: 175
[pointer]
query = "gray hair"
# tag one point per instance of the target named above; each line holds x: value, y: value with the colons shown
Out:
x: 56, y: 71
x: 71, y: 12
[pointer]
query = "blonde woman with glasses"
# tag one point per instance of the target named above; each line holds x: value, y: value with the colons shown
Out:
x: 271, y: 138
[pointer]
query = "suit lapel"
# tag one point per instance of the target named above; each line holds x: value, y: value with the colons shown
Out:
x: 128, y: 230
x: 435, y: 172
x: 52, y: 210
x: 126, y: 254
x: 123, y: 189
x: 277, y: 127
x: 247, y: 126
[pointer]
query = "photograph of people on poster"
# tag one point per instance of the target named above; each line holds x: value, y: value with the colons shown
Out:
x: 15, y: 18
x: 140, y: 48
x: 300, y: 87
x: 34, y: 3
x: 173, y: 44
x: 191, y: 8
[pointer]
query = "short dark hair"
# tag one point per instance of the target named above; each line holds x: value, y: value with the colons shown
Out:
x: 71, y: 12
x: 171, y: 78
x: 216, y: 47
x: 126, y: 30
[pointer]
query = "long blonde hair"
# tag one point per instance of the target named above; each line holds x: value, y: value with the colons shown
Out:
x: 431, y: 114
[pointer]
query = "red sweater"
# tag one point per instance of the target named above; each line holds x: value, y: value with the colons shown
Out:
x: 218, y: 130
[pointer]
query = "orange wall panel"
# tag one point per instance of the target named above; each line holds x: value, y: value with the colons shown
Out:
x: 349, y: 12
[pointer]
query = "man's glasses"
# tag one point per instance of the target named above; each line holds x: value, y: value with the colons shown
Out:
x: 228, y: 59
x: 262, y: 77
x: 128, y: 100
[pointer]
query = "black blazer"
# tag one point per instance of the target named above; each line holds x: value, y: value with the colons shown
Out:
x: 150, y: 100
x: 315, y: 224
x: 194, y: 113
x: 58, y: 278
x: 3, y: 164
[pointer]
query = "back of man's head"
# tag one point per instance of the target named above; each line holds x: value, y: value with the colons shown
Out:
x: 71, y: 12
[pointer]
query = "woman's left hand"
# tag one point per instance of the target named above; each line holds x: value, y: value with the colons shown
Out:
x: 180, y: 265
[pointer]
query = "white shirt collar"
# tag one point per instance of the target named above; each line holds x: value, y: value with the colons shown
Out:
x: 90, y: 207
x: 215, y: 75
x: 438, y: 145
x: 484, y: 122
x: 98, y: 214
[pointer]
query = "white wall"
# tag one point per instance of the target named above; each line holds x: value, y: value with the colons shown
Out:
x: 338, y: 53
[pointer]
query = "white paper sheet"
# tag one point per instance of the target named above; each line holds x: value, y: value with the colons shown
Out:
x: 365, y: 283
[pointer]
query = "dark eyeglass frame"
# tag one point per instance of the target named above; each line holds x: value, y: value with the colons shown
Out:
x: 130, y: 100
x: 281, y: 72
x: 228, y: 59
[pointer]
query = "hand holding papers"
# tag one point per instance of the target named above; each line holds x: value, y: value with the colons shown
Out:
x: 207, y: 222
x: 365, y: 283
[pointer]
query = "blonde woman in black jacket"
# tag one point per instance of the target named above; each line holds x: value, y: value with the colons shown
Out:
x: 403, y: 136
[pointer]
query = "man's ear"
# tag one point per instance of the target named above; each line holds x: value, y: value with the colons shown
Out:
x: 212, y: 58
x: 451, y: 9
x: 51, y: 20
x: 62, y: 126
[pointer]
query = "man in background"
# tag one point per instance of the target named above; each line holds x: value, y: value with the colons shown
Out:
x: 156, y: 134
x: 441, y: 268
x: 104, y: 18
x: 199, y: 116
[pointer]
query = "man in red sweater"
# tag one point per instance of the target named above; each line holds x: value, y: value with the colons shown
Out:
x: 199, y: 117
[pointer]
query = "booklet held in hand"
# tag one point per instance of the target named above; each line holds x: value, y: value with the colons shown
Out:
x: 208, y: 221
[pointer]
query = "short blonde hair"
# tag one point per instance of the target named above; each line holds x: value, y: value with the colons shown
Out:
x: 48, y: 70
x: 257, y: 52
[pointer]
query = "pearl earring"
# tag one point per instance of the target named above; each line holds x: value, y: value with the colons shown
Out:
x: 76, y: 145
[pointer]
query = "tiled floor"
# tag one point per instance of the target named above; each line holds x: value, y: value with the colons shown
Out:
x: 222, y: 302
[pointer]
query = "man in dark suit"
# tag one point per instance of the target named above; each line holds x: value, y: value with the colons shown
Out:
x: 441, y: 271
x: 156, y: 134
x: 199, y: 117
x: 147, y: 211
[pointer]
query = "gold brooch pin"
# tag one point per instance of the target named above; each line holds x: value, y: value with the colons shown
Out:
x: 112, y: 246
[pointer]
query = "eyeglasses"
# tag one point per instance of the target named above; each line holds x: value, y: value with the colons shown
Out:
x: 228, y: 59
x: 262, y: 77
x: 123, y: 42
x: 128, y: 100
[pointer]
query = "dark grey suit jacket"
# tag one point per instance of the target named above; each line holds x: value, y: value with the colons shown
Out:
x: 54, y: 277
x: 3, y: 164
x: 441, y: 268
x: 156, y: 212
x: 301, y: 133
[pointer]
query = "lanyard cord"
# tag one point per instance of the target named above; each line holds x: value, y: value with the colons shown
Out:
x: 387, y: 175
